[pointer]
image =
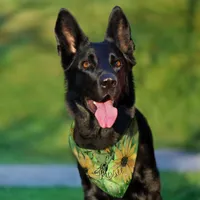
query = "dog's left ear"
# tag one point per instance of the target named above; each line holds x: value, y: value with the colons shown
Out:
x: 119, y: 32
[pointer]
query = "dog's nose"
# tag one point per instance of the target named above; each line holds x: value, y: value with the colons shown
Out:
x: 108, y: 81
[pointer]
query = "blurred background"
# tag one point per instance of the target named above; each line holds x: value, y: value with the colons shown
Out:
x: 34, y: 123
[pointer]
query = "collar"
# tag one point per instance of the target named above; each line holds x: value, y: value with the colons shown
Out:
x: 110, y: 169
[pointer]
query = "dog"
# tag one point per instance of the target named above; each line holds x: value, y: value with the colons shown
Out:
x: 110, y: 137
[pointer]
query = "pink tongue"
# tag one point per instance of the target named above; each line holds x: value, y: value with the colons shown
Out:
x: 106, y: 114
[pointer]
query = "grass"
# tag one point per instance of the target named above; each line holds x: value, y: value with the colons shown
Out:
x: 34, y: 123
x: 175, y: 186
x: 41, y: 194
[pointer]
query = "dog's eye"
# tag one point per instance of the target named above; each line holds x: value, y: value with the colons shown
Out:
x: 118, y: 64
x: 85, y: 64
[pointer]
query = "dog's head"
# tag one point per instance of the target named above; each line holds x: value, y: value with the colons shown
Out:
x: 98, y: 75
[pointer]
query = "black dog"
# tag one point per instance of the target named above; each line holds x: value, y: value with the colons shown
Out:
x: 100, y: 95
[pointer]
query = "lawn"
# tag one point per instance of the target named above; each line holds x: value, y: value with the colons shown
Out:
x: 175, y: 186
x: 34, y: 123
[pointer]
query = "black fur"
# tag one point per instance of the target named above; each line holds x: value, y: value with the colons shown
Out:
x: 85, y: 84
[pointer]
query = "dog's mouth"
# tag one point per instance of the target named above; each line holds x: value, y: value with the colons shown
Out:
x: 104, y: 111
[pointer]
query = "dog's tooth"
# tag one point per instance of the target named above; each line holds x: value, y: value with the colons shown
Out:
x: 94, y: 102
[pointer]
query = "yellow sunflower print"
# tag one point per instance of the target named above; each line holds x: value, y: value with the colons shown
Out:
x: 86, y: 163
x: 125, y: 161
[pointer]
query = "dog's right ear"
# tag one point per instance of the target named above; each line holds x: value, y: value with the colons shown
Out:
x: 69, y: 37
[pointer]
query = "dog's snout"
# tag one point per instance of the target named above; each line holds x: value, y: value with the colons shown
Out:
x: 108, y: 81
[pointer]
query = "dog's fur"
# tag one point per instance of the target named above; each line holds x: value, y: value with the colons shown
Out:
x: 85, y: 83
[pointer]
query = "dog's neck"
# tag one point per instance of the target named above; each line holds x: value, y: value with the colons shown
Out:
x: 88, y: 134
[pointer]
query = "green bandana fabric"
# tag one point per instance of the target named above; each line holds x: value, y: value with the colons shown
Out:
x: 110, y: 169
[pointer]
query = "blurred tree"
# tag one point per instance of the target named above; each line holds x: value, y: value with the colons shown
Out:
x: 190, y: 29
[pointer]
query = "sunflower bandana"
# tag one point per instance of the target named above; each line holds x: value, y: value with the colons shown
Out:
x: 110, y: 169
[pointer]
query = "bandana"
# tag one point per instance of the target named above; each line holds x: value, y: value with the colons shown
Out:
x: 110, y: 169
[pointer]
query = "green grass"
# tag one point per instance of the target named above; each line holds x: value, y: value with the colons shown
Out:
x: 180, y: 186
x: 175, y: 186
x: 41, y: 194
x: 34, y: 123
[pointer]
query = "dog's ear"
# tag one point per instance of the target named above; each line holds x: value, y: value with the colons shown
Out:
x: 119, y: 32
x: 69, y: 36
